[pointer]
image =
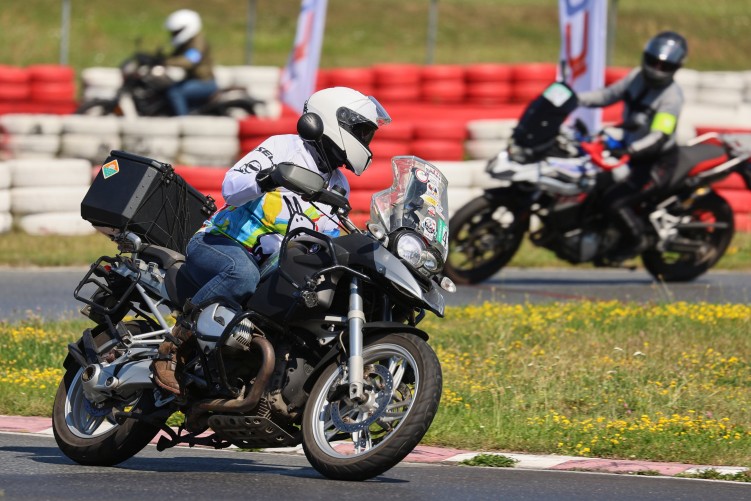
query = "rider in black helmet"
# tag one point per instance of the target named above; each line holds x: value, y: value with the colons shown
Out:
x: 652, y: 104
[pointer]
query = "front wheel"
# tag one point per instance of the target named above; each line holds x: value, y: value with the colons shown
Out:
x: 347, y: 440
x: 671, y: 266
x: 484, y: 236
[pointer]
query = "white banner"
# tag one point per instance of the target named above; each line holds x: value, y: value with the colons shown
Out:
x: 298, y: 78
x: 584, y: 26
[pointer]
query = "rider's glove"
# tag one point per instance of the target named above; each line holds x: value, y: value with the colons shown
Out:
x: 264, y: 180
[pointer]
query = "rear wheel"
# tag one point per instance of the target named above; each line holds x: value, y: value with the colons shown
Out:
x: 485, y: 235
x: 88, y: 433
x: 674, y: 266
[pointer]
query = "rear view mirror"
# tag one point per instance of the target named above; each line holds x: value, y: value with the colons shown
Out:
x: 310, y: 127
x: 298, y: 179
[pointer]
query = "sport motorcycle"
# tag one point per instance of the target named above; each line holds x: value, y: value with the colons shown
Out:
x: 547, y: 187
x: 326, y: 353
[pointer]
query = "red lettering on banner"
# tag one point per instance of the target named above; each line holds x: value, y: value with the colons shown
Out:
x: 578, y: 64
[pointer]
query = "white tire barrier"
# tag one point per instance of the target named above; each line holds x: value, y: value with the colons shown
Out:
x: 29, y: 173
x: 459, y: 197
x: 4, y: 200
x: 209, y: 151
x: 491, y: 129
x: 55, y: 223
x: 31, y: 124
x: 5, y: 175
x: 209, y: 126
x: 6, y: 222
x: 34, y: 146
x: 36, y: 200
x: 92, y: 148
x: 460, y: 174
x: 484, y: 149
x: 150, y: 126
x: 92, y: 125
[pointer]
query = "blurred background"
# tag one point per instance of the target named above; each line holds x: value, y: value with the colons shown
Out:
x: 104, y: 32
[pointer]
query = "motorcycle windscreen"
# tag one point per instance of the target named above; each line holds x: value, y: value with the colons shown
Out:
x: 418, y: 200
x: 544, y: 116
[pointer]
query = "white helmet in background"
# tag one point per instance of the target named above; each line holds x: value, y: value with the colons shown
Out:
x: 350, y: 120
x: 183, y: 25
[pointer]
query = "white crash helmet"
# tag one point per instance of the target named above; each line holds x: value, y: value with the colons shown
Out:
x: 183, y: 25
x: 350, y: 120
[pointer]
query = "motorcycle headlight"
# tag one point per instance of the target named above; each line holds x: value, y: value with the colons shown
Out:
x: 432, y: 262
x: 410, y: 247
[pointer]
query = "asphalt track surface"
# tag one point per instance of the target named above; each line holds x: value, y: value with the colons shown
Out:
x: 49, y: 292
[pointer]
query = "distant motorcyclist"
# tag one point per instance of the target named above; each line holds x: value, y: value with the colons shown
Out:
x: 191, y: 53
x: 652, y: 104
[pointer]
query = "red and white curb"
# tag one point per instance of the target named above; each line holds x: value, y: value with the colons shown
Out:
x: 428, y: 454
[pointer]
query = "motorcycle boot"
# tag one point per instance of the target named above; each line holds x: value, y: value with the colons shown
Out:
x: 171, y: 359
x: 172, y: 356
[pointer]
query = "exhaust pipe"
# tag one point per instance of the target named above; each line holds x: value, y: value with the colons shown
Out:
x: 256, y: 391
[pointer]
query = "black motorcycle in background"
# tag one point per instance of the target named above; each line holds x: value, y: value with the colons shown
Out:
x: 143, y: 93
x: 326, y: 353
x: 547, y: 189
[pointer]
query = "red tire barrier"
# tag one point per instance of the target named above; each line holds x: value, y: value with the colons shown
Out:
x: 451, y: 130
x: 444, y: 91
x: 51, y: 73
x: 396, y: 75
x: 253, y: 126
x: 435, y: 149
x: 489, y: 92
x: 397, y: 130
x: 384, y: 149
x: 733, y: 182
x: 351, y: 77
x: 434, y: 72
x: 359, y: 200
x: 397, y: 93
x: 14, y: 92
x: 377, y: 177
x: 13, y: 75
x: 534, y: 71
x: 360, y: 218
x: 488, y: 72
x: 52, y: 92
x: 202, y: 178
x: 524, y: 92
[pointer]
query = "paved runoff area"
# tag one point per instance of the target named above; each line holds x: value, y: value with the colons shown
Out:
x: 442, y: 455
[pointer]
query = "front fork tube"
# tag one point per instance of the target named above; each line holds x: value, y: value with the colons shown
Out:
x: 355, y: 321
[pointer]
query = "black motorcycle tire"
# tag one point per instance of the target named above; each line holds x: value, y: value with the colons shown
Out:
x: 405, y: 435
x: 475, y: 221
x: 663, y: 266
x: 97, y: 107
x: 121, y: 442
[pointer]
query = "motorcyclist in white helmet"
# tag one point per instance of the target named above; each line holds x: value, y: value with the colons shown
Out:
x: 652, y: 104
x: 225, y: 254
x: 191, y: 54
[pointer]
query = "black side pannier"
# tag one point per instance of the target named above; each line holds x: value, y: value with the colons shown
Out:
x: 146, y: 197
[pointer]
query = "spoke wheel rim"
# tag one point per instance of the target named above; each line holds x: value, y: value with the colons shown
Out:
x: 366, y: 437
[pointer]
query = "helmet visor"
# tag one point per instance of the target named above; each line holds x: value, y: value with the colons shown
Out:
x: 659, y: 64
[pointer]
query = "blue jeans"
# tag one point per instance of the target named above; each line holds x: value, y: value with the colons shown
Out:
x: 190, y: 92
x: 225, y: 268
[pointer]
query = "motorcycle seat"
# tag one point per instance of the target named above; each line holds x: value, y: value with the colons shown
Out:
x: 696, y: 158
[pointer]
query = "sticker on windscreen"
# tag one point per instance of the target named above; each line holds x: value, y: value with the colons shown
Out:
x: 557, y: 94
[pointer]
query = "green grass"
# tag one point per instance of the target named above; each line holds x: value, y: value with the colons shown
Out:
x: 490, y: 461
x: 660, y: 382
x: 103, y: 32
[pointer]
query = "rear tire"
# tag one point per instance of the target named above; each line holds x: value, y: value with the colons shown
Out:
x: 91, y: 436
x: 686, y: 266
x: 484, y: 236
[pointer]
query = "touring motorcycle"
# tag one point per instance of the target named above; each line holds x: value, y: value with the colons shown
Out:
x: 143, y: 93
x: 547, y: 187
x: 326, y: 353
